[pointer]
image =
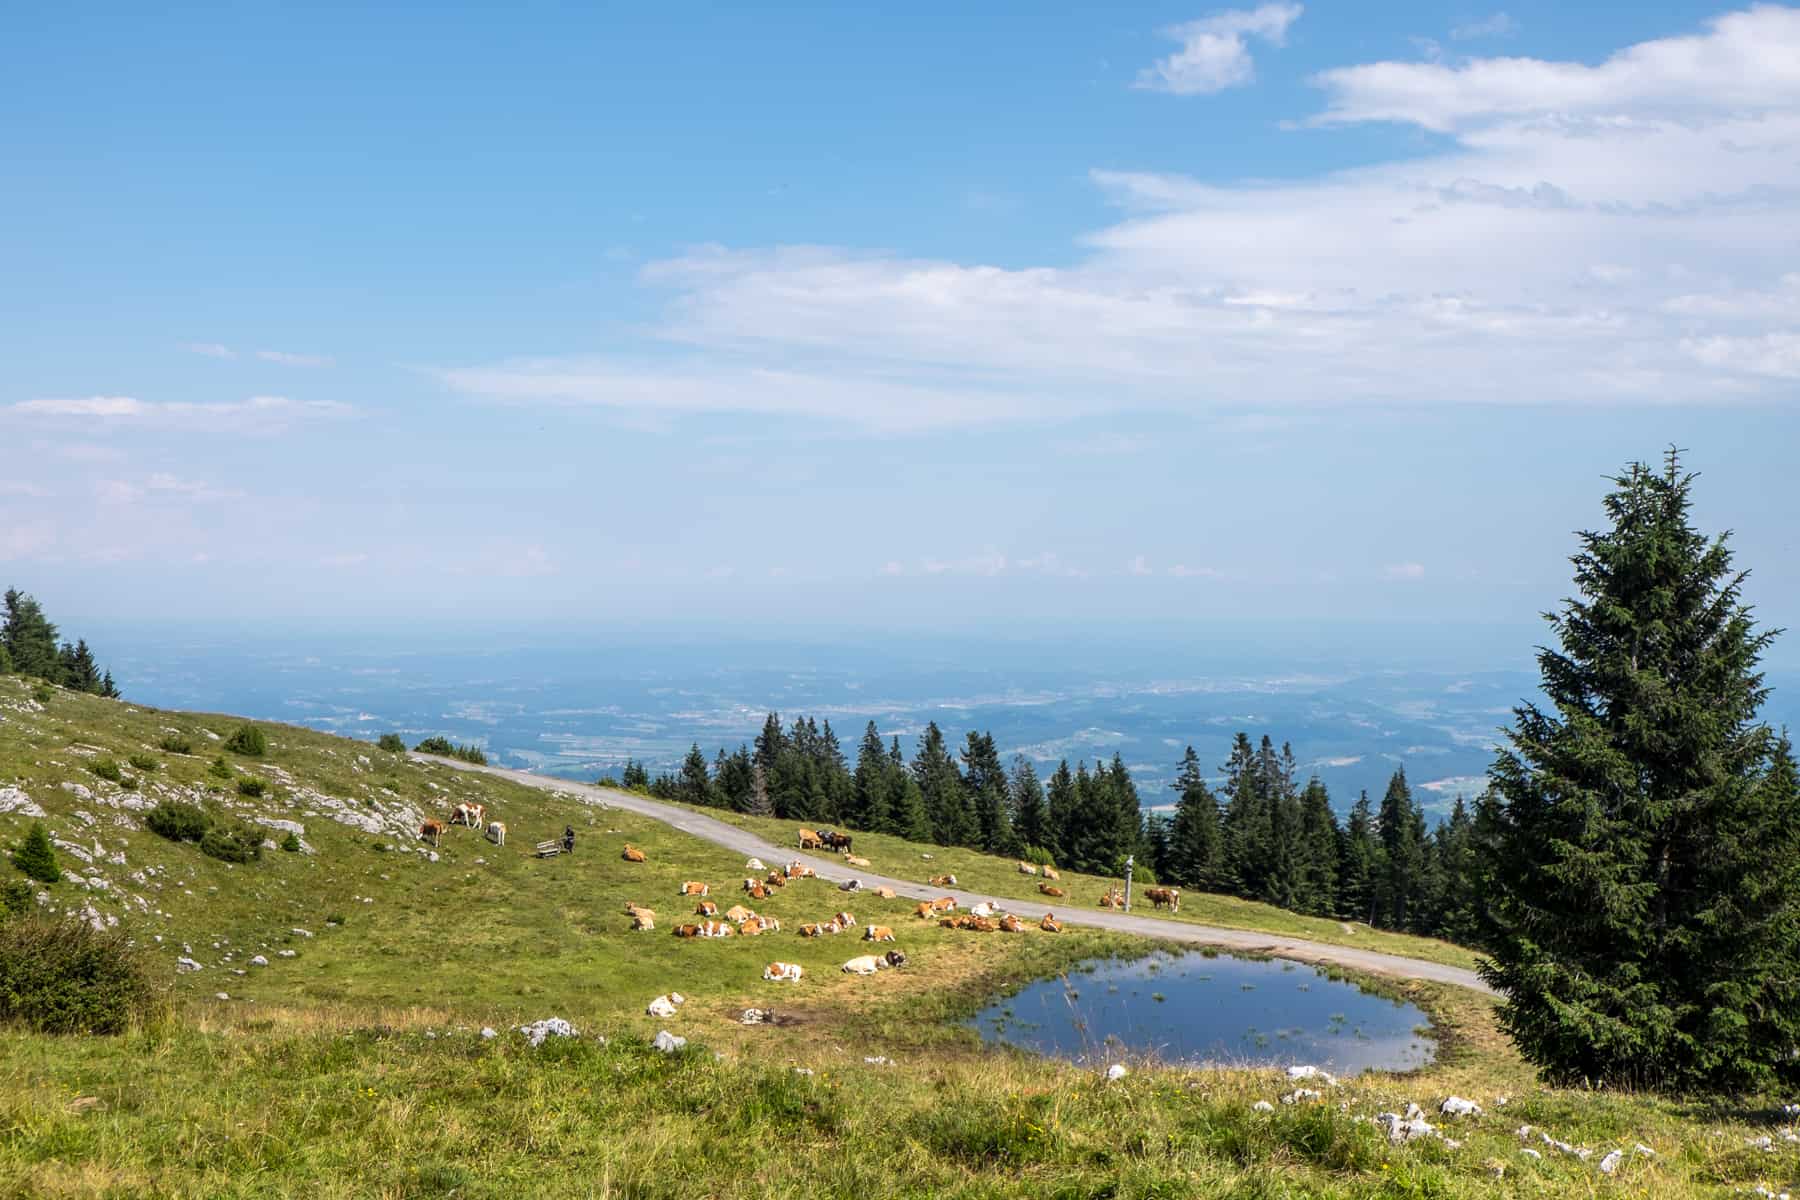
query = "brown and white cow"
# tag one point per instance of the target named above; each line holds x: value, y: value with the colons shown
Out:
x: 845, y: 919
x: 706, y: 908
x: 431, y: 831
x: 942, y: 881
x: 1050, y: 873
x: 1113, y: 899
x: 1026, y: 868
x: 632, y: 854
x: 877, y: 933
x: 809, y: 839
x: 752, y: 926
x: 470, y: 814
x: 782, y: 972
x: 1160, y: 896
x: 738, y: 913
x: 1050, y: 891
x: 694, y: 887
x: 775, y: 880
x: 715, y: 929
x: 686, y: 931
x: 643, y: 919
x: 1050, y: 924
x: 925, y: 909
x: 944, y: 904
x: 799, y: 870
x: 1011, y: 924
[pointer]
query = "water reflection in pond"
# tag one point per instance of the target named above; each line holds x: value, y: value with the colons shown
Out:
x: 1194, y: 1008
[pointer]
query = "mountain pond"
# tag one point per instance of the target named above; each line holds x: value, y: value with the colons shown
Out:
x: 1205, y: 1008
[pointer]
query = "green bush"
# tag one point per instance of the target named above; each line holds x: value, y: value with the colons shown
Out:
x: 232, y: 843
x: 249, y: 741
x: 178, y: 821
x: 65, y: 977
x: 392, y: 743
x: 291, y: 843
x: 17, y: 897
x: 36, y: 857
x: 250, y: 785
x: 106, y: 768
x: 219, y: 768
x: 174, y: 743
x: 448, y: 749
x: 143, y: 762
x: 43, y: 693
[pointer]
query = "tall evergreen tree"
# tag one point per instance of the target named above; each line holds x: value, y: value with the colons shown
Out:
x: 1645, y: 915
x: 1031, y: 820
x: 30, y: 638
x: 1454, y: 848
x: 1319, y: 851
x: 989, y: 795
x: 1195, y: 854
x: 1244, y: 824
x: 905, y: 801
x: 1060, y: 809
x: 36, y: 857
x: 695, y: 787
x: 1401, y: 832
x: 1361, y: 870
x: 871, y: 793
x: 941, y: 785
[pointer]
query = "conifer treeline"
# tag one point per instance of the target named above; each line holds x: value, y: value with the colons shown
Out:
x: 28, y: 646
x: 1265, y: 836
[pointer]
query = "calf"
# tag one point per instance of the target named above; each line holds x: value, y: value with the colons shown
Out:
x: 496, y: 833
x: 1050, y: 891
x: 775, y: 880
x: 1050, y: 873
x: 809, y: 839
x: 1026, y: 868
x: 857, y: 860
x: 845, y: 919
x: 643, y: 919
x: 885, y: 892
x: 758, y: 892
x: 1160, y: 896
x: 632, y: 854
x: 431, y: 831
x: 868, y: 964
x: 1050, y: 924
x: 780, y: 972
x: 687, y: 931
x: 738, y: 913
x: 1113, y: 899
x: 715, y: 929
x: 877, y: 933
x: 799, y: 870
x: 925, y: 909
x: 984, y: 909
x: 1011, y: 924
x: 944, y: 904
x: 752, y: 926
x: 706, y: 908
x: 695, y: 888
x: 811, y: 929
x: 832, y: 926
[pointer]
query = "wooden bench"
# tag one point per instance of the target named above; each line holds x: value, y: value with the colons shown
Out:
x: 549, y: 849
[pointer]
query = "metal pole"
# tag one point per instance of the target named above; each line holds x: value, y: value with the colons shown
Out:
x: 1129, y: 859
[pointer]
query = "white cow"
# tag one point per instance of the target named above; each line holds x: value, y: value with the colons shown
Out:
x: 496, y: 833
x: 867, y: 964
x: 783, y: 972
x: 666, y: 1004
x: 985, y: 909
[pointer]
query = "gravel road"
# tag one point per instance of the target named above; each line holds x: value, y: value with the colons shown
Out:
x: 749, y: 845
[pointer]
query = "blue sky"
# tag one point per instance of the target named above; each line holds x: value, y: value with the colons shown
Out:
x: 963, y: 316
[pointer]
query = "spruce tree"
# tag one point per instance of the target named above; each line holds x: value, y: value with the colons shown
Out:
x: 989, y: 797
x: 1194, y: 849
x: 906, y: 802
x: 695, y: 786
x: 1361, y: 866
x: 941, y: 785
x: 30, y: 638
x: 1319, y: 850
x: 871, y: 792
x: 1031, y: 820
x: 1402, y: 852
x: 1644, y: 915
x: 1244, y: 823
x: 1454, y: 849
x: 1059, y: 801
x: 36, y: 857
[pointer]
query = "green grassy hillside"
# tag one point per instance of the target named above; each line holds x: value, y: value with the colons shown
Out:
x: 356, y: 1067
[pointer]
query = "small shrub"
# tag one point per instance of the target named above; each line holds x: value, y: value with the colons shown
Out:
x: 43, y: 693
x: 232, y: 843
x: 107, y: 769
x: 220, y: 769
x: 334, y: 919
x: 65, y: 977
x: 392, y: 743
x: 178, y: 821
x: 247, y: 740
x: 251, y: 786
x: 143, y: 762
x: 17, y: 897
x: 36, y: 857
x: 291, y: 843
x: 174, y: 743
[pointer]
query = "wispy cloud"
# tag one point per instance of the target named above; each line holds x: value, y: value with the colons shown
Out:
x: 1498, y: 24
x: 1215, y: 51
x: 1404, y: 572
x: 1139, y: 565
x: 26, y: 540
x: 341, y: 562
x: 210, y: 350
x: 293, y: 360
x: 1183, y: 571
x: 190, y: 488
x: 21, y: 487
x: 256, y: 414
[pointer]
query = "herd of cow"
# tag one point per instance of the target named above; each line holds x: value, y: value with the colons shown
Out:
x: 472, y: 815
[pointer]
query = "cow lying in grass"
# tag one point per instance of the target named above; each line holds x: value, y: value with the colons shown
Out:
x: 737, y: 913
x: 855, y: 860
x: 877, y: 933
x: 868, y: 964
x: 799, y: 870
x: 706, y: 908
x: 695, y: 888
x: 1050, y: 873
x: 1050, y: 924
x: 1051, y: 891
x: 1011, y: 924
x: 632, y: 854
x: 1113, y: 899
x: 845, y: 920
x: 942, y: 881
x: 783, y: 972
x: 1026, y: 868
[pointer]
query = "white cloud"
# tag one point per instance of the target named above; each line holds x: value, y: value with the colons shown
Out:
x: 1403, y: 571
x: 342, y: 561
x: 891, y: 568
x: 257, y: 414
x: 1498, y: 25
x: 1597, y: 235
x: 117, y: 491
x: 293, y: 360
x: 1347, y: 760
x: 1215, y: 53
x: 25, y: 541
x: 721, y: 572
x: 192, y: 489
x: 209, y: 350
x: 21, y: 487
x: 1466, y: 785
x: 1182, y: 571
x: 1744, y: 62
x: 1139, y: 566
